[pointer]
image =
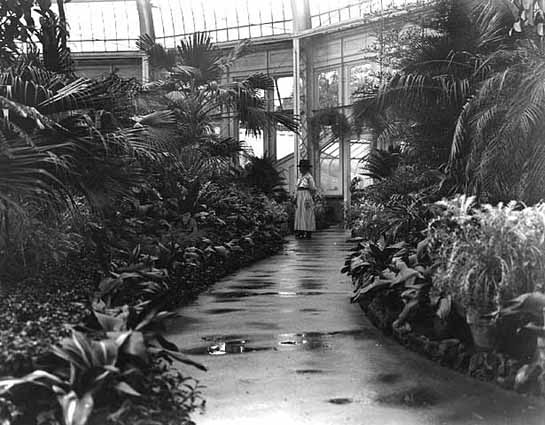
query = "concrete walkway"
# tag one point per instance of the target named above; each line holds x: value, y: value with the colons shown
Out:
x: 284, y: 346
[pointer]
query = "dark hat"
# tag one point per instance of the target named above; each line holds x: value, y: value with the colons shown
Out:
x: 304, y: 163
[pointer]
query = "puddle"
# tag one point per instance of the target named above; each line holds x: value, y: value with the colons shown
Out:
x: 225, y: 347
x: 365, y: 333
x: 250, y: 286
x: 264, y: 325
x: 340, y: 400
x: 305, y: 341
x: 233, y: 294
x: 308, y: 371
x: 226, y: 300
x: 237, y: 344
x: 413, y: 397
x: 388, y: 378
x: 311, y: 285
x: 222, y: 310
x: 246, y: 294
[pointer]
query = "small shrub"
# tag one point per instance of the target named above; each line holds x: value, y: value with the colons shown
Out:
x: 261, y: 174
x: 490, y: 254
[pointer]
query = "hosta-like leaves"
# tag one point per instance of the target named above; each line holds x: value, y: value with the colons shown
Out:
x: 176, y: 356
x: 35, y: 377
x: 76, y: 410
x: 125, y: 388
x: 111, y: 323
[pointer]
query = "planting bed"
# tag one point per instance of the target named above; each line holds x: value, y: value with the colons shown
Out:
x: 35, y: 311
x: 463, y: 286
x: 457, y: 354
x: 154, y: 264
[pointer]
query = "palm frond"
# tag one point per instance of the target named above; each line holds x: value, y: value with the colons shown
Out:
x: 158, y: 56
x: 380, y: 164
x: 27, y: 172
x: 199, y: 52
x: 158, y: 119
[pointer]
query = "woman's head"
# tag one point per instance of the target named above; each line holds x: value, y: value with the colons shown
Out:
x: 304, y: 165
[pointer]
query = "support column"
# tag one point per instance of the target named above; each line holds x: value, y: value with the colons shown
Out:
x: 296, y: 102
x: 345, y: 140
x: 269, y: 133
x: 301, y: 22
x: 346, y: 170
x: 145, y: 16
x: 145, y: 69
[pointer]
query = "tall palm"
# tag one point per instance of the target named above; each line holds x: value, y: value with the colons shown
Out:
x: 440, y: 71
x: 192, y: 88
x: 62, y: 136
x: 501, y: 125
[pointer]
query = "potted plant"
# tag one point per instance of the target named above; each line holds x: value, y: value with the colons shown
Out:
x: 487, y: 256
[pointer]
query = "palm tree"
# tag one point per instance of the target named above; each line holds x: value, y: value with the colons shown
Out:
x: 192, y: 88
x: 500, y: 126
x: 62, y: 136
x: 473, y: 90
x: 421, y: 103
x: 72, y: 135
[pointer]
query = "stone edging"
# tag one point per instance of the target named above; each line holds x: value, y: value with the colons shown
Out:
x: 454, y: 354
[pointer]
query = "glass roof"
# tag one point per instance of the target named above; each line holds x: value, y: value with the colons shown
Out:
x: 226, y: 20
x: 114, y: 26
x: 328, y: 12
x: 102, y: 26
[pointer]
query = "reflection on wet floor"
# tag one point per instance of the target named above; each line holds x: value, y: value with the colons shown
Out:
x: 388, y: 378
x: 246, y: 294
x: 238, y: 344
x: 253, y: 286
x: 281, y: 336
x: 415, y: 397
x: 340, y: 400
x: 222, y: 310
x: 308, y: 371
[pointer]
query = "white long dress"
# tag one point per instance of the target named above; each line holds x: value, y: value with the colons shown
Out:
x: 305, y: 220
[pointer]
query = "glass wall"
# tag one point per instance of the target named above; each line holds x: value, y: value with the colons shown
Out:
x: 253, y: 143
x: 364, y: 78
x: 328, y: 89
x: 359, y: 148
x: 283, y: 101
x: 331, y: 180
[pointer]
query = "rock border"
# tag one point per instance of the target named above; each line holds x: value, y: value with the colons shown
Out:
x: 489, y: 366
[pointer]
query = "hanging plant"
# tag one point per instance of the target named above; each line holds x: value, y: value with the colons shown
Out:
x: 336, y: 120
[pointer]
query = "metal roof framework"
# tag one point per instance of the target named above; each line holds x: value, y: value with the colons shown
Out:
x: 115, y: 25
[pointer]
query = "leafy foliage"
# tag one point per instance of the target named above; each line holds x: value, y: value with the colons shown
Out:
x: 469, y: 95
x: 489, y: 254
x: 379, y: 164
x: 192, y: 89
x: 129, y: 174
x: 261, y: 174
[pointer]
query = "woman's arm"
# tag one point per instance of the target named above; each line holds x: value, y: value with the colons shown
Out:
x: 311, y: 184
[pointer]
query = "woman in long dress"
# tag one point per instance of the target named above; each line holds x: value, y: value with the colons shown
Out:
x: 305, y: 220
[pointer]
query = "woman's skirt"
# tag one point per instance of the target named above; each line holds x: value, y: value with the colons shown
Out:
x: 305, y: 221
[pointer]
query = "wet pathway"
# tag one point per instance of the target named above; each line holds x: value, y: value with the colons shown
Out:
x: 284, y: 346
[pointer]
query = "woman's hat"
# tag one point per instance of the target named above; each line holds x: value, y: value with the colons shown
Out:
x: 304, y: 163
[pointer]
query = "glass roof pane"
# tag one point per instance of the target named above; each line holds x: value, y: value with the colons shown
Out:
x: 103, y: 25
x: 113, y: 25
x: 226, y: 20
x: 327, y: 12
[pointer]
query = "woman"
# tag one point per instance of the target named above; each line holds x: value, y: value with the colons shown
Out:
x: 305, y: 221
